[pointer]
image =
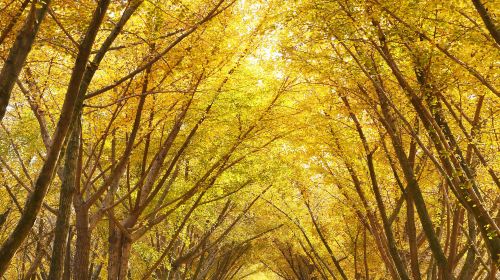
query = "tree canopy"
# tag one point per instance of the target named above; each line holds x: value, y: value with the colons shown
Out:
x: 249, y: 139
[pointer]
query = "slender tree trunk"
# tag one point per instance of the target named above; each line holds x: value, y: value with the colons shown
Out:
x: 67, y: 259
x: 113, y: 251
x: 413, y: 186
x: 120, y: 245
x: 125, y: 248
x: 374, y: 226
x: 365, y: 256
x: 19, y: 52
x: 325, y: 243
x: 469, y: 267
x: 410, y: 213
x: 488, y: 21
x: 65, y: 202
x: 454, y: 238
x: 119, y: 249
x: 37, y: 261
x: 412, y: 239
x: 13, y: 21
x: 82, y: 251
x: 393, y: 250
x: 415, y: 192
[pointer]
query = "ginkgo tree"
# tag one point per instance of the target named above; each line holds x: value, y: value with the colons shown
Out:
x: 259, y: 139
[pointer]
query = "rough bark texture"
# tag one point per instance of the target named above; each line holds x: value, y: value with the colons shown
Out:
x: 65, y: 201
x: 82, y: 252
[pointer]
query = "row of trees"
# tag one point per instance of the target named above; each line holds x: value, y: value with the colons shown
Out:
x: 230, y: 139
x: 140, y: 148
x: 408, y: 101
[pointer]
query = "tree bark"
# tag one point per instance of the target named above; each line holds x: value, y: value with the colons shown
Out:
x: 393, y: 250
x: 120, y: 247
x: 13, y: 21
x: 412, y: 239
x: 469, y: 267
x: 19, y: 52
x: 488, y: 21
x: 82, y: 251
x: 70, y: 177
x: 67, y: 259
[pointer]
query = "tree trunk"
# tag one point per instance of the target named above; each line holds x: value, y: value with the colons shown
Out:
x: 65, y: 200
x: 412, y: 239
x: 82, y: 251
x: 468, y: 269
x: 393, y: 250
x: 488, y: 22
x: 67, y: 260
x: 19, y: 52
x: 113, y: 251
x: 119, y: 255
x: 13, y: 21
